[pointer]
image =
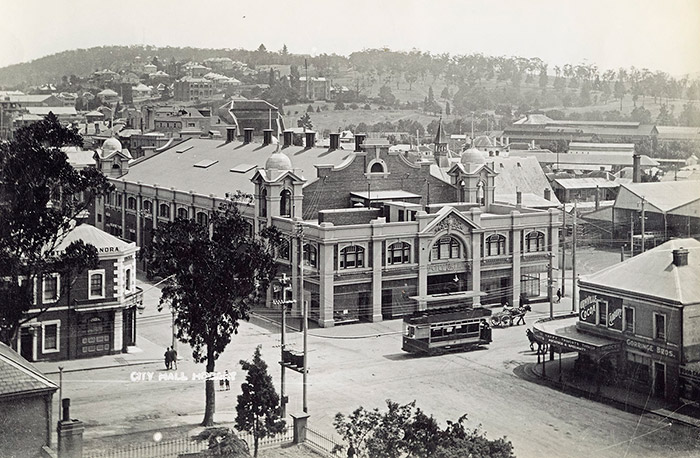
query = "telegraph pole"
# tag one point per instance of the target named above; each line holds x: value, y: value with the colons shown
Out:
x: 631, y: 235
x: 550, y: 284
x: 284, y: 282
x: 304, y: 311
x: 573, y: 260
x: 643, y: 234
x: 563, y: 251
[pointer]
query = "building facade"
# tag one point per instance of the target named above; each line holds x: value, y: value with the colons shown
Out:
x: 90, y: 314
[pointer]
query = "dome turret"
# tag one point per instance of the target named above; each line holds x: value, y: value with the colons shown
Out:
x: 473, y: 157
x: 111, y: 145
x: 278, y: 161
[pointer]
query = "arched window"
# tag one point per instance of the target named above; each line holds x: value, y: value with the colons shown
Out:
x: 352, y: 257
x: 131, y: 203
x: 202, y: 218
x: 310, y: 255
x: 147, y: 206
x: 534, y: 241
x: 164, y: 211
x: 398, y: 253
x: 286, y: 203
x: 495, y: 245
x: 283, y: 250
x: 263, y: 203
x: 182, y: 213
x: 480, y: 195
x: 377, y: 167
x: 446, y: 248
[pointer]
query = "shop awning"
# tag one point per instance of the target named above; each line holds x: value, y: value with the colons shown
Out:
x: 565, y: 335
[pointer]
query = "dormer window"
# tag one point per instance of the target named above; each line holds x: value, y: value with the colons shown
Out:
x: 377, y: 168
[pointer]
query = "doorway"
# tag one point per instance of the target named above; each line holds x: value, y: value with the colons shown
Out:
x: 27, y: 344
x: 659, y: 379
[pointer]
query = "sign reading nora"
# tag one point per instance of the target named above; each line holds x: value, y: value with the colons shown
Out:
x: 108, y: 249
x: 587, y: 308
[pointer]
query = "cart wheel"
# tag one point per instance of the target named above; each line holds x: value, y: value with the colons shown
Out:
x: 495, y: 321
x: 506, y: 321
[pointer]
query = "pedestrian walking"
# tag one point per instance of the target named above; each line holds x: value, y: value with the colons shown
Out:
x: 173, y: 358
x: 228, y: 381
x: 558, y: 295
x: 167, y: 356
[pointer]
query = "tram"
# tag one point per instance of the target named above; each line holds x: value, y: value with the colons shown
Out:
x: 436, y: 331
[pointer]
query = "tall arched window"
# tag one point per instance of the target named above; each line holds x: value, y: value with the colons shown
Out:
x: 263, y: 203
x: 398, y: 253
x: 480, y: 194
x: 446, y: 248
x: 131, y: 203
x: 286, y: 203
x: 534, y: 241
x: 495, y: 245
x: 310, y: 255
x: 164, y: 211
x: 182, y: 213
x: 202, y: 218
x: 147, y: 206
x: 352, y: 257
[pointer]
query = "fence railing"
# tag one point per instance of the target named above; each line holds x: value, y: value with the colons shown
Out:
x: 166, y: 449
x: 182, y: 446
x: 324, y: 443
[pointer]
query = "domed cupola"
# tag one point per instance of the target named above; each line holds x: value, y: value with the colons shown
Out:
x: 473, y: 159
x: 278, y: 161
x: 111, y: 145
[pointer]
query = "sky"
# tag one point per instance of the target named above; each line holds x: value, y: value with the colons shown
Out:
x: 654, y: 34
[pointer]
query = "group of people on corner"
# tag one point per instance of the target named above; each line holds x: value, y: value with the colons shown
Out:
x: 170, y: 358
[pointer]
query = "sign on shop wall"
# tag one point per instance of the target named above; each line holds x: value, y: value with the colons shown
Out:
x: 587, y: 307
x: 615, y: 314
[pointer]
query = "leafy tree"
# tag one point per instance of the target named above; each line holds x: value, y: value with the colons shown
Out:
x: 40, y: 196
x: 620, y: 90
x: 218, y: 272
x: 285, y: 51
x: 641, y: 115
x: 447, y: 108
x: 339, y: 105
x: 223, y: 442
x: 411, y: 77
x: 386, y: 96
x: 305, y: 122
x: 310, y: 109
x: 258, y: 404
x: 406, y: 430
x: 445, y: 94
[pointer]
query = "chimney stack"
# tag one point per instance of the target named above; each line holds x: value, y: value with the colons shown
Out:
x: 288, y: 138
x: 547, y: 194
x: 97, y: 127
x: 636, y: 171
x: 267, y: 137
x: 310, y: 139
x: 230, y: 134
x: 518, y: 198
x: 680, y: 257
x: 248, y: 135
x: 359, y: 140
x: 335, y: 141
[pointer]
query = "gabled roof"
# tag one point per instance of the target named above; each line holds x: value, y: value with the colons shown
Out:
x: 654, y: 274
x: 664, y: 196
x: 446, y: 213
x: 18, y: 376
x: 586, y: 183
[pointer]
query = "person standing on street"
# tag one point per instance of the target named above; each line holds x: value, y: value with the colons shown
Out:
x: 558, y: 295
x: 168, y: 361
x: 173, y: 358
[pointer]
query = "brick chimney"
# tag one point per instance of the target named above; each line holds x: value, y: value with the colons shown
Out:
x: 310, y: 139
x: 680, y: 257
x: 70, y: 434
x: 230, y: 134
x: 597, y: 197
x: 335, y: 141
x: 248, y: 135
x: 267, y: 137
x: 636, y: 168
x: 547, y: 194
x: 359, y: 140
x: 97, y: 127
x: 518, y: 198
x: 288, y: 138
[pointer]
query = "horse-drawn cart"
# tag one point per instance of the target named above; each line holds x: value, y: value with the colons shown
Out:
x: 507, y: 317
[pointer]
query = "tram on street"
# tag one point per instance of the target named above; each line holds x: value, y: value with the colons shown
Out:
x: 440, y: 330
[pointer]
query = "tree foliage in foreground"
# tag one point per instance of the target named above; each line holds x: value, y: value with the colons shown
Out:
x: 405, y: 430
x: 258, y: 405
x: 223, y: 442
x: 40, y: 196
x: 218, y: 271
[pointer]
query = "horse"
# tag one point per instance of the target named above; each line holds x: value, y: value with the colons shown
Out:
x: 541, y: 346
x: 519, y: 313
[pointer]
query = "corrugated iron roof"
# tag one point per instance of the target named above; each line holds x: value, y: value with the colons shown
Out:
x: 653, y: 274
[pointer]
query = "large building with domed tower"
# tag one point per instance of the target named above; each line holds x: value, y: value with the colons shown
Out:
x: 380, y: 234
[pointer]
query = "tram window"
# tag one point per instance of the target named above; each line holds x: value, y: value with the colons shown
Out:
x: 435, y: 333
x: 411, y: 331
x: 473, y: 328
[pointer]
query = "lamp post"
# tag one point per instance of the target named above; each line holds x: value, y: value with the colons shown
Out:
x: 304, y: 311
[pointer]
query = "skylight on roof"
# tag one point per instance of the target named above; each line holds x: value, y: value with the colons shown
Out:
x: 204, y: 163
x: 184, y: 149
x: 243, y: 168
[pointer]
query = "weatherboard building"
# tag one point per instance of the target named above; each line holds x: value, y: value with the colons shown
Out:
x: 379, y: 233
